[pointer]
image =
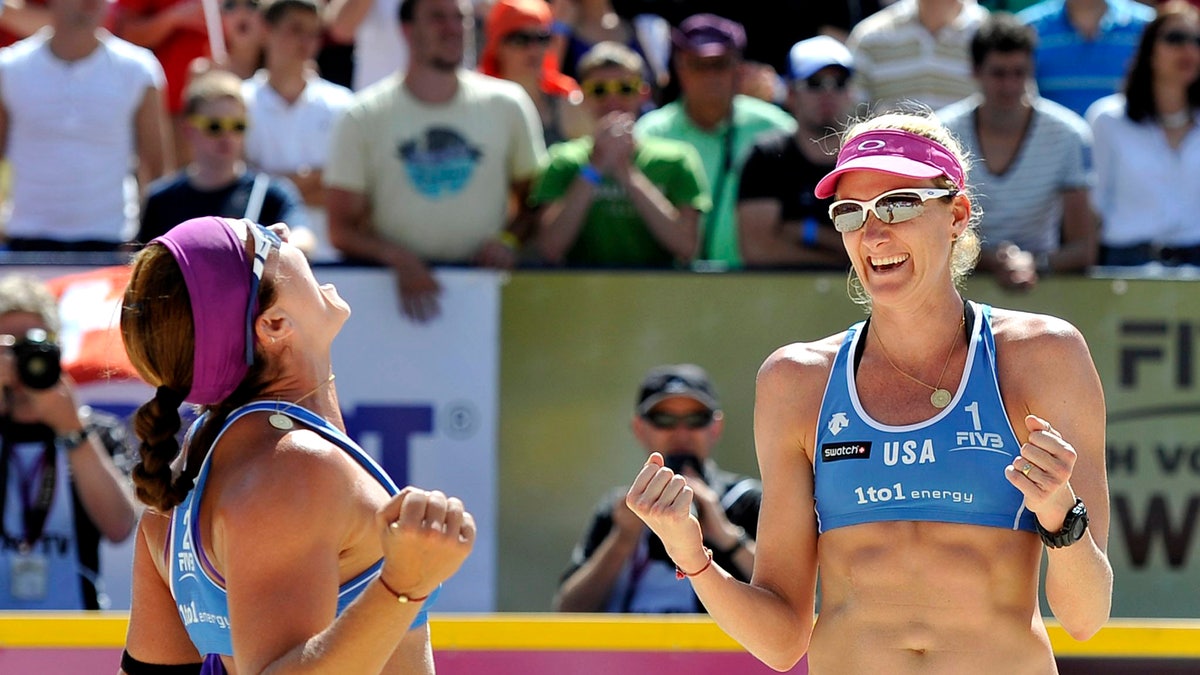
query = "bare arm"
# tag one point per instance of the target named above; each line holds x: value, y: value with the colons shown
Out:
x: 562, y: 220
x: 156, y: 634
x: 155, y: 149
x: 1064, y: 402
x: 766, y: 241
x: 677, y: 229
x: 282, y: 563
x: 352, y: 232
x: 589, y: 587
x: 23, y: 19
x: 3, y: 130
x: 772, y: 616
x: 1080, y: 234
x: 310, y: 183
x: 150, y: 30
x: 524, y: 222
x: 103, y: 491
x: 342, y: 18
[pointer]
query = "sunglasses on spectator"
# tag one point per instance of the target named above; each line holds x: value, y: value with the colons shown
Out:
x: 602, y: 88
x: 230, y: 5
x: 215, y: 126
x: 664, y: 421
x: 893, y: 206
x: 1178, y: 38
x: 827, y: 83
x: 526, y: 38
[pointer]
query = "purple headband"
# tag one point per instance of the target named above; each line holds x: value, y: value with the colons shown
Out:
x: 900, y: 153
x: 219, y: 273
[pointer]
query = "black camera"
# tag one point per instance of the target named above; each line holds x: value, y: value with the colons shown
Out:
x: 38, y: 358
x: 678, y: 461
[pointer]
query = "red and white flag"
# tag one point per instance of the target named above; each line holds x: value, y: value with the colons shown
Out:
x: 90, y: 306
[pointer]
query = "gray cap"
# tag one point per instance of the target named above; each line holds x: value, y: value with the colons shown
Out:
x: 683, y: 379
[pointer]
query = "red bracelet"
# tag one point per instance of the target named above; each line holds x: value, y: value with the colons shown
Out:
x: 680, y: 574
x: 403, y: 598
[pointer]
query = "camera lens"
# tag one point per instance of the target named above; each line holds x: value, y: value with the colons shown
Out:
x: 38, y: 360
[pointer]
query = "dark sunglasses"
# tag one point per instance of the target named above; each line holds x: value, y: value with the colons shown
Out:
x: 693, y: 421
x: 230, y: 5
x: 1178, y: 38
x: 827, y: 83
x: 602, y: 88
x: 525, y: 38
x: 215, y: 126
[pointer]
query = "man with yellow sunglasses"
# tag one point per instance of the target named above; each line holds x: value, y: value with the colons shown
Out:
x: 612, y: 200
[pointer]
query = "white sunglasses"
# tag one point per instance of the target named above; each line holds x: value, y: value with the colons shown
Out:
x: 893, y: 206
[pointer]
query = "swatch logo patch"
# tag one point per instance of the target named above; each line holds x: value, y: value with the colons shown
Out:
x: 832, y: 452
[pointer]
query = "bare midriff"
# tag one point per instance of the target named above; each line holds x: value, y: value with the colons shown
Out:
x: 927, y: 598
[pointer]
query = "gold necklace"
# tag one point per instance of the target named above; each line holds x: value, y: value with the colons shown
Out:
x: 283, y: 422
x: 940, y: 398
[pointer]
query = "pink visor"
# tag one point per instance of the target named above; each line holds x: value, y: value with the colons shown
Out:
x: 896, y: 152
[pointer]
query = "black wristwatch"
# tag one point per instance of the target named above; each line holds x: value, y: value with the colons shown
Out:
x: 1073, y: 527
x: 70, y: 441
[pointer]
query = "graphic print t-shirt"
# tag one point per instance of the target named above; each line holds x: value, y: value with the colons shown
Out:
x: 437, y: 177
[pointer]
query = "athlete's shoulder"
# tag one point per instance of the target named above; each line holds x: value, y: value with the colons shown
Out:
x: 797, y: 362
x: 1035, y: 336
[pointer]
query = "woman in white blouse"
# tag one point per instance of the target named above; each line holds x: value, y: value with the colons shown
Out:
x: 1147, y: 148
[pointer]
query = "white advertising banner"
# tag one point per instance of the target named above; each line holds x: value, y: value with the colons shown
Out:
x: 423, y: 399
x: 419, y: 397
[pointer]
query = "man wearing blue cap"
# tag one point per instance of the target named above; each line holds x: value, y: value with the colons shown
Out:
x: 719, y: 123
x: 780, y: 223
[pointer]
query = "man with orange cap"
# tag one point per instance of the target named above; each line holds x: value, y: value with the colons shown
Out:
x: 516, y: 49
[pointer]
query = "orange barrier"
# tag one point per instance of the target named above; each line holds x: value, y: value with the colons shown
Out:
x: 1124, y: 638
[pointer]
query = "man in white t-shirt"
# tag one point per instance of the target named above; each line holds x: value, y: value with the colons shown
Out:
x: 425, y: 164
x: 292, y: 110
x: 76, y: 104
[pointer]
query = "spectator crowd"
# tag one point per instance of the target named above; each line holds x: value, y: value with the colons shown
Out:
x: 590, y: 133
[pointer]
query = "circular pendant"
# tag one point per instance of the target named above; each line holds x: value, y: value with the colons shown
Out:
x: 940, y: 398
x: 284, y: 423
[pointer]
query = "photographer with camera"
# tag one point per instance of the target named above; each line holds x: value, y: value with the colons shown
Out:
x: 60, y: 489
x: 620, y: 566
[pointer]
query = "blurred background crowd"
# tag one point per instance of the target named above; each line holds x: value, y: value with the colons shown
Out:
x: 591, y: 133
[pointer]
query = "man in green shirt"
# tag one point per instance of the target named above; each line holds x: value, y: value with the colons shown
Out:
x: 612, y: 200
x: 720, y: 124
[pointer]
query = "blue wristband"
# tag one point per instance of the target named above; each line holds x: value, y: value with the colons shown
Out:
x: 590, y: 174
x: 808, y: 236
x: 558, y: 27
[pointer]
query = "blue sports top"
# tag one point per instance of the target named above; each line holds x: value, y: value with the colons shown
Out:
x: 199, y: 590
x: 949, y: 468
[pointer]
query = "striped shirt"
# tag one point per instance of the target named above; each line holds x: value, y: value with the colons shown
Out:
x: 897, y: 59
x: 1024, y: 203
x: 1073, y: 70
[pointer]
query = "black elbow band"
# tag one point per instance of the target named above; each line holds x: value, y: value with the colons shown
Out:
x: 132, y: 666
